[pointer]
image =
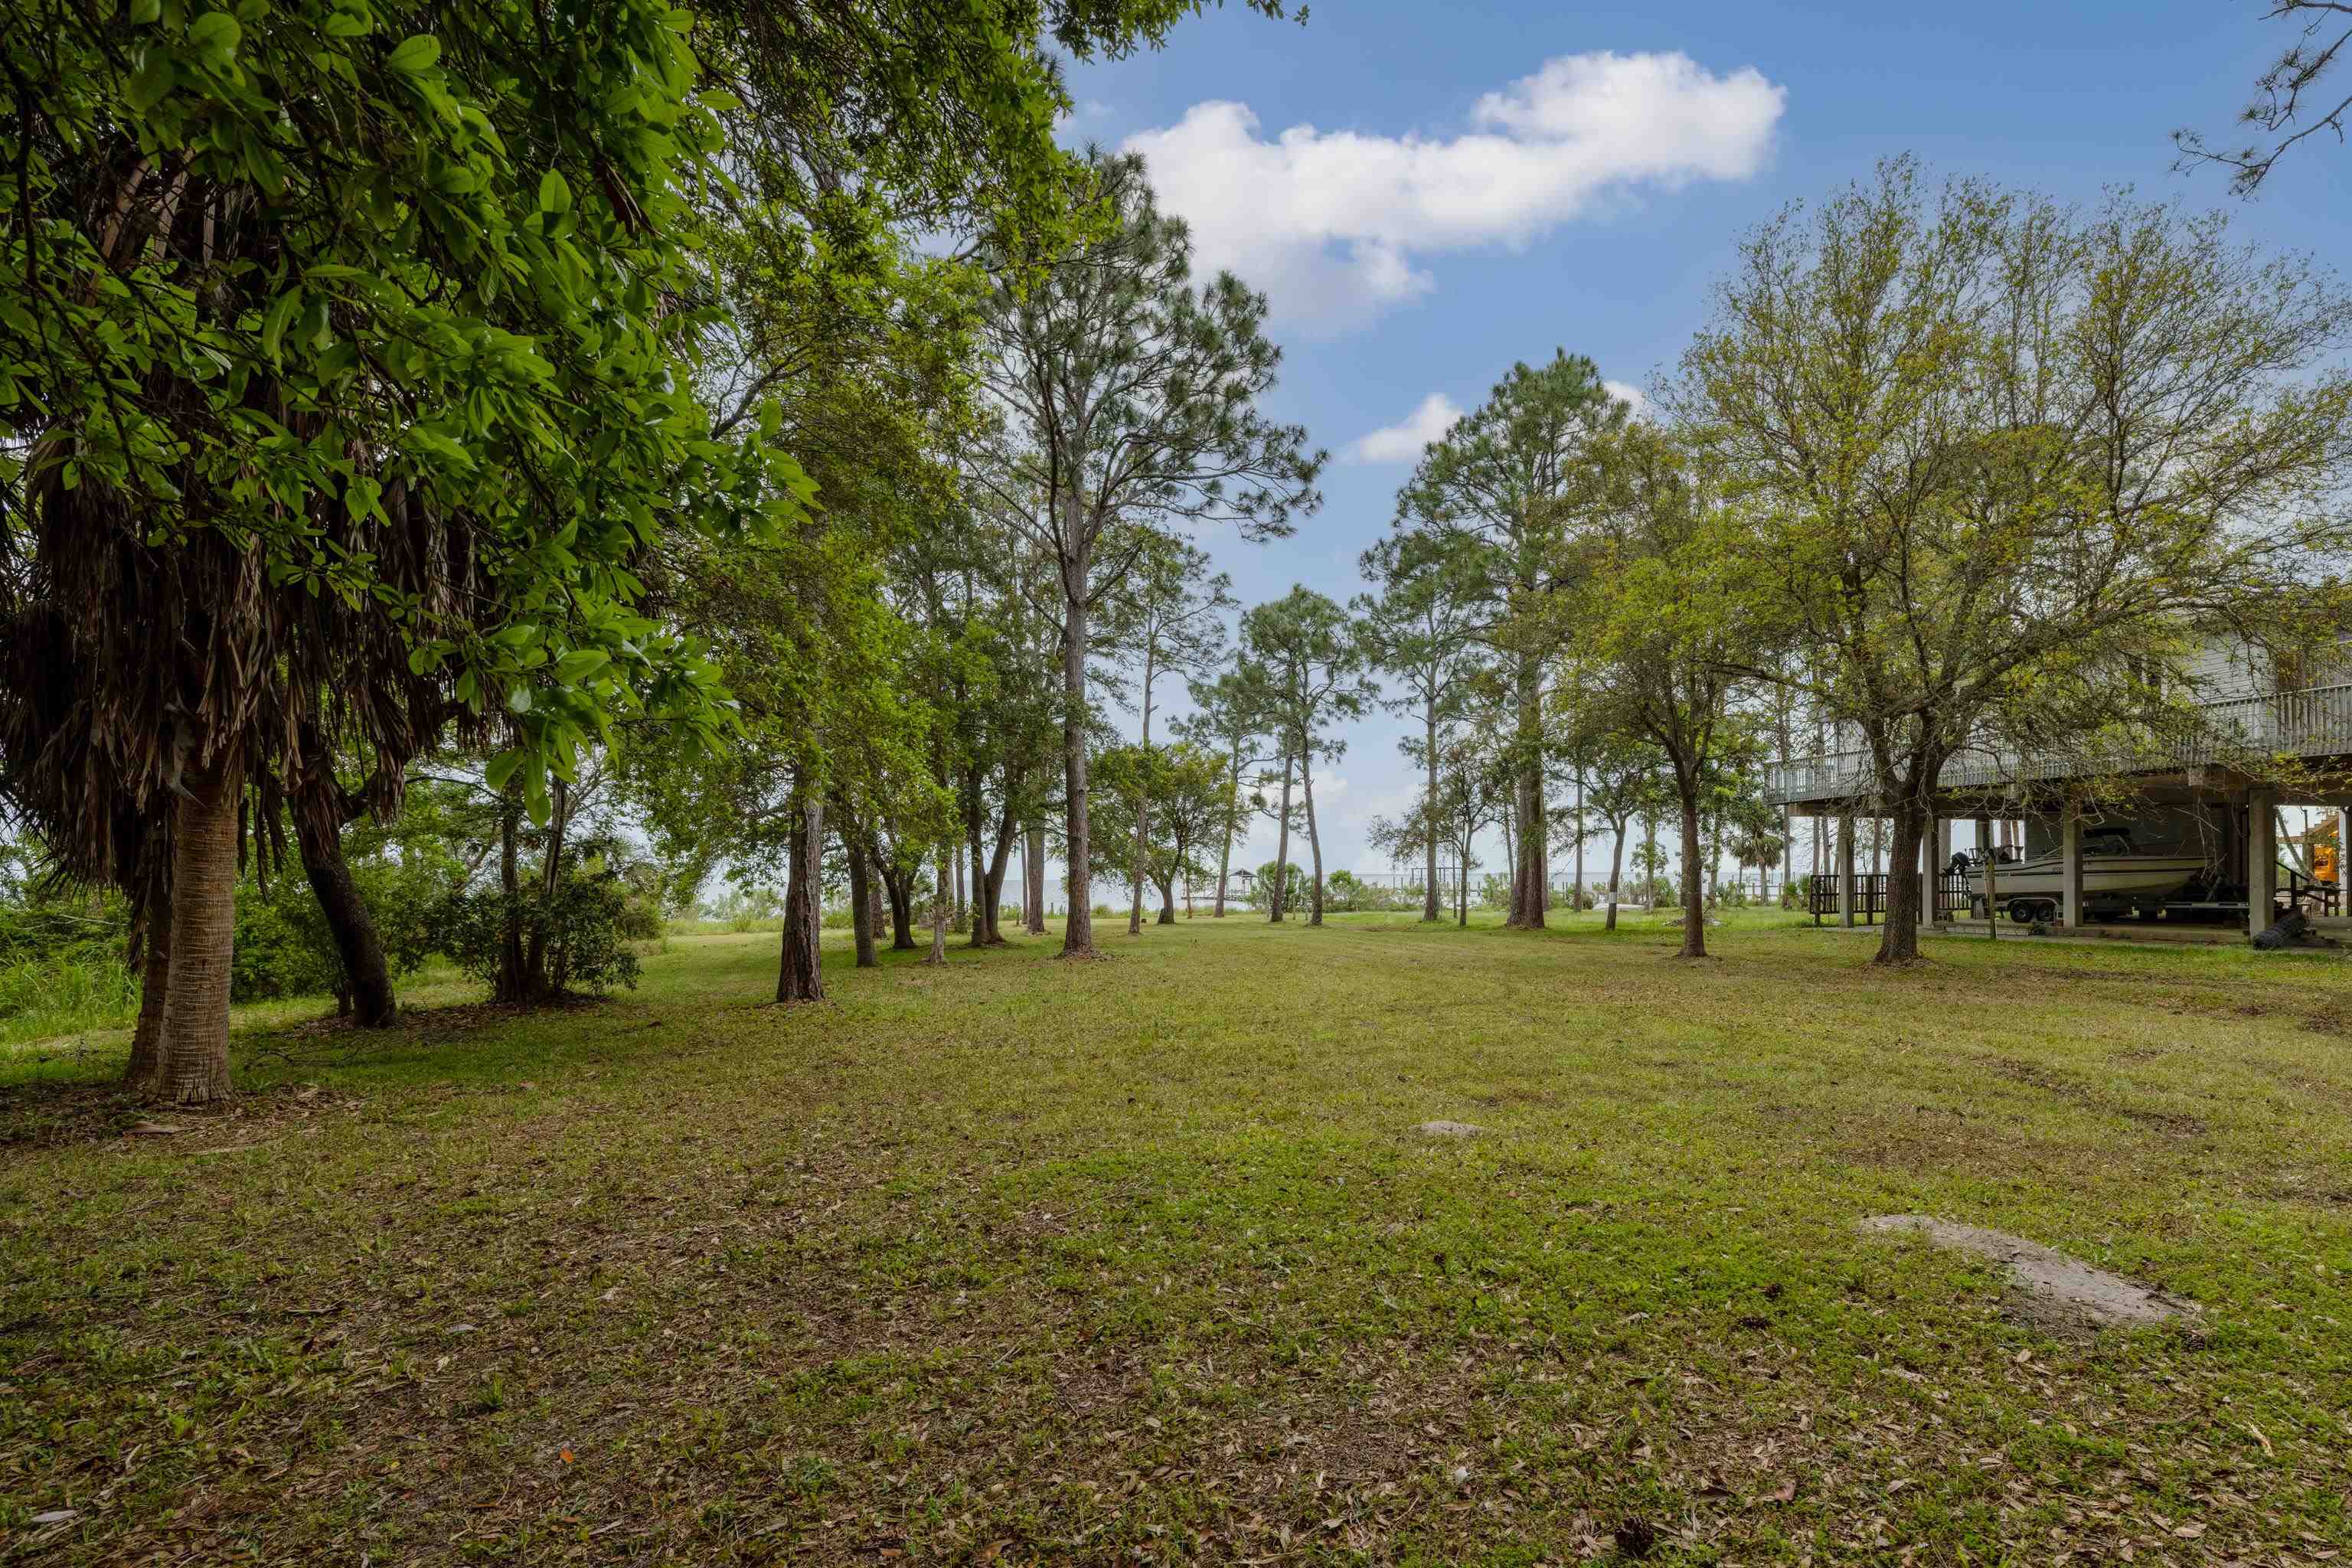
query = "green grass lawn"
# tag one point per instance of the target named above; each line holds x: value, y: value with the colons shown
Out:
x: 1019, y: 1260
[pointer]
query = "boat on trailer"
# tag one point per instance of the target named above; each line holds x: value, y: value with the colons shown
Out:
x: 2116, y: 877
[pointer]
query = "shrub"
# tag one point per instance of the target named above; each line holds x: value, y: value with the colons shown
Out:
x: 1344, y: 892
x: 640, y: 918
x: 285, y: 948
x: 1294, y: 887
x: 579, y: 927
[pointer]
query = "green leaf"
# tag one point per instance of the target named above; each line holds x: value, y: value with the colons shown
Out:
x: 501, y: 769
x: 415, y: 55
x: 144, y: 12
x: 147, y: 88
x: 282, y: 312
x: 214, y: 34
x: 574, y: 668
x: 518, y: 699
x: 554, y: 196
x: 534, y: 789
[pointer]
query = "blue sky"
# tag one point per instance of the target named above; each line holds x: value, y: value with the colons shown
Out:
x: 1429, y: 193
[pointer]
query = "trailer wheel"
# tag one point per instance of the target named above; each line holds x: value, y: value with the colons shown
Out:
x: 2024, y: 911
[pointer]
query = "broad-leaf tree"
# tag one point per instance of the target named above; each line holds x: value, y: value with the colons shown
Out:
x: 1657, y: 642
x: 340, y: 352
x: 2001, y: 463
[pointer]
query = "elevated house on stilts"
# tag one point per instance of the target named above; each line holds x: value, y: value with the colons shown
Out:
x: 2141, y: 833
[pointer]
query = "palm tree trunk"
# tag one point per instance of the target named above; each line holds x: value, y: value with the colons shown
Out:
x: 195, y: 1067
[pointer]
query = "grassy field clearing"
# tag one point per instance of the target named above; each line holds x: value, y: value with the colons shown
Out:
x: 1141, y: 1260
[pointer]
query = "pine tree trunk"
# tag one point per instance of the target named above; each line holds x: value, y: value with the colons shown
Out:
x: 1576, y: 904
x: 1430, y: 911
x: 861, y: 904
x: 1282, y: 849
x: 1314, y: 839
x: 1143, y: 802
x: 194, y: 1045
x: 145, y: 1075
x: 1510, y: 854
x: 961, y: 919
x: 800, y: 969
x: 1027, y: 907
x: 1527, y: 875
x: 358, y: 943
x: 1077, y: 928
x: 939, y: 910
x: 1035, y: 855
x: 1225, y: 850
x: 875, y: 914
x: 1616, y: 870
x: 1694, y: 881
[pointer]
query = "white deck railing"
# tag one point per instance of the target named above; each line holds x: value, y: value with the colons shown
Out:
x: 2313, y: 722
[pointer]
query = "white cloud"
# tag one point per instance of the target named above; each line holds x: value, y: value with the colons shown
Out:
x: 1626, y: 391
x: 1403, y: 442
x: 1330, y: 224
